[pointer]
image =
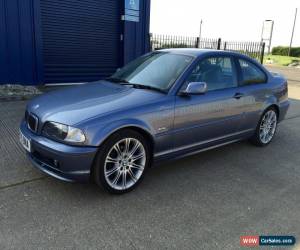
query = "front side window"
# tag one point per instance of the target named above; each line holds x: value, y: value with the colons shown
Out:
x: 251, y: 74
x: 216, y: 72
x: 158, y: 69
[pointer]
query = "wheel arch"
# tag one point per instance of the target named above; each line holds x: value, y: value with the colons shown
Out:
x: 146, y: 134
x: 141, y: 128
x: 276, y: 107
x: 271, y: 102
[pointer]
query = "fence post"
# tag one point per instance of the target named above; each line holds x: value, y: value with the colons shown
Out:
x: 151, y: 41
x: 219, y: 44
x: 262, y: 53
x: 197, y: 43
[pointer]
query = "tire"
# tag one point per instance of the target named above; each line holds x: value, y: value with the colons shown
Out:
x: 122, y: 161
x: 270, y: 115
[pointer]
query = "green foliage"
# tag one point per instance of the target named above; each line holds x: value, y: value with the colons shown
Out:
x: 281, y: 60
x: 284, y: 50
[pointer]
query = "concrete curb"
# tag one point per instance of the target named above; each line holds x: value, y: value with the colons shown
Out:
x: 17, y: 98
x: 17, y: 92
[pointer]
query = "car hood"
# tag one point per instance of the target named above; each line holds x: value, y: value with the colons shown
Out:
x: 76, y: 104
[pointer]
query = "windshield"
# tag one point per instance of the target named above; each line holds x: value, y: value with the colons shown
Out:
x: 158, y: 70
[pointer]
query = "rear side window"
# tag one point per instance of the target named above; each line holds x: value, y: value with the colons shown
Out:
x: 251, y: 74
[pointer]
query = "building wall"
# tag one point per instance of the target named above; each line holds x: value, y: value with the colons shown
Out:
x: 17, y: 43
x: 136, y: 34
x: 80, y: 39
x: 21, y: 51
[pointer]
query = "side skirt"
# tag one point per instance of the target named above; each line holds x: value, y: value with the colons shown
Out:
x: 195, y: 150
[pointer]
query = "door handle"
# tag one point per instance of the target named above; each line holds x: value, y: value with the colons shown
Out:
x: 238, y: 95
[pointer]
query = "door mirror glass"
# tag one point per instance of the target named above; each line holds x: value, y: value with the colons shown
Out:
x: 195, y: 88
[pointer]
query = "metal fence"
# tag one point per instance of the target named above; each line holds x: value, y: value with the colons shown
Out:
x: 252, y: 49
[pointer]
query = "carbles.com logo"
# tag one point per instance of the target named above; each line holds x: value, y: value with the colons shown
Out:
x: 254, y: 240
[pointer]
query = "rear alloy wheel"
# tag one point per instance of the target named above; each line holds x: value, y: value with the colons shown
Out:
x: 266, y: 128
x: 122, y: 162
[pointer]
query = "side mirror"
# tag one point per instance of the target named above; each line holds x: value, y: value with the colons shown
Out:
x: 194, y: 88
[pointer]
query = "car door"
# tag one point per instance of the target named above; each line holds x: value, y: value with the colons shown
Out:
x: 254, y: 91
x: 209, y: 117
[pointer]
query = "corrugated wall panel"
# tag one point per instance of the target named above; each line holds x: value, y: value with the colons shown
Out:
x: 17, y: 43
x: 81, y: 39
x: 4, y: 72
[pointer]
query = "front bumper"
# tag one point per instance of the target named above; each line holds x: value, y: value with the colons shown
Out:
x: 64, y: 162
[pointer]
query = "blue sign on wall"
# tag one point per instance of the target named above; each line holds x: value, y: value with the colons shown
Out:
x: 132, y: 10
x: 132, y: 4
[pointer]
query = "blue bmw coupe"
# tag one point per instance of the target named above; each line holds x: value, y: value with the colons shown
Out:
x: 164, y: 105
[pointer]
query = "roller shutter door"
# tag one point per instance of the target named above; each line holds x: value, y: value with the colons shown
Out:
x: 81, y: 39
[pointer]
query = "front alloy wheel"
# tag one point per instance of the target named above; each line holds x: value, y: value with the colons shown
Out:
x: 125, y: 163
x: 122, y: 161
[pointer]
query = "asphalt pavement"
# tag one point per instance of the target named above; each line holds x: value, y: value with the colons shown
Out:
x: 206, y: 201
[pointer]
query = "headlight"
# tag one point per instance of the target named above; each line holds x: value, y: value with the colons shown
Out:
x: 61, y: 132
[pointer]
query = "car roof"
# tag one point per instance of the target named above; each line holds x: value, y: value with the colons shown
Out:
x: 198, y: 52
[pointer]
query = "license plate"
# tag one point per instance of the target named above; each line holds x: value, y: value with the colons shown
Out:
x: 26, y: 143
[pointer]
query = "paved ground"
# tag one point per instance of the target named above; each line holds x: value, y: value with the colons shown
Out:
x: 201, y: 202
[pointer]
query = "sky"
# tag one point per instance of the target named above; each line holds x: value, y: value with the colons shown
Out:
x: 234, y: 20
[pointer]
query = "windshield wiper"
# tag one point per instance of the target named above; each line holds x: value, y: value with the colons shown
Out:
x: 134, y: 85
x: 140, y: 86
x: 117, y: 80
